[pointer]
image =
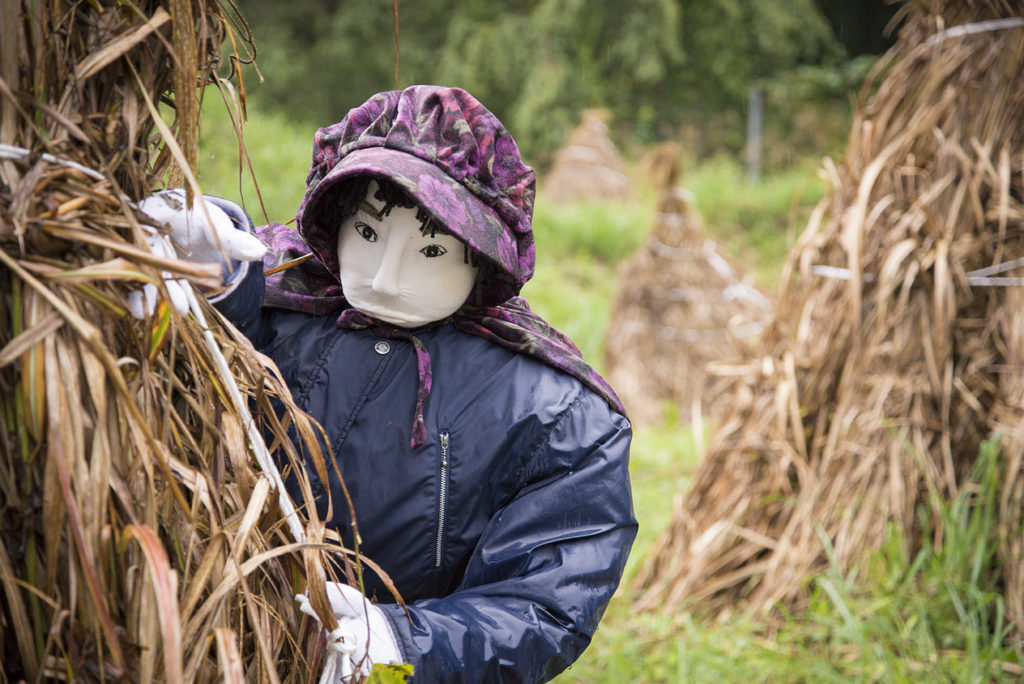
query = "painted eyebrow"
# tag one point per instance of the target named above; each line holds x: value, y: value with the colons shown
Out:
x: 369, y: 211
x: 366, y: 219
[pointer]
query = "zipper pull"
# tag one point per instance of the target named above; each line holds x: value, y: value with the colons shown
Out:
x: 444, y: 449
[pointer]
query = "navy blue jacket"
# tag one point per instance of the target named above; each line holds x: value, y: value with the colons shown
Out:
x: 507, y: 532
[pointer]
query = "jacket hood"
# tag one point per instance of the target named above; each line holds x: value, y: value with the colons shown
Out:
x: 452, y: 157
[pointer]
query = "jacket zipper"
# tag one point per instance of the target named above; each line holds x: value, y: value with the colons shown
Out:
x: 442, y: 500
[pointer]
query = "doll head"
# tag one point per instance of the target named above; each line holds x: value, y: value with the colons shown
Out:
x: 452, y: 160
x: 396, y: 264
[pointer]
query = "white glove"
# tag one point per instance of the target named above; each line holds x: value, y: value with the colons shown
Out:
x: 362, y: 639
x: 197, y: 233
x: 142, y: 301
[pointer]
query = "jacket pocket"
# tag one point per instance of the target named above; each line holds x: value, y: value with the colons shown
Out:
x: 444, y: 466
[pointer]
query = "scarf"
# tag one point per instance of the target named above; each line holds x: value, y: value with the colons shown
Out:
x: 309, y: 287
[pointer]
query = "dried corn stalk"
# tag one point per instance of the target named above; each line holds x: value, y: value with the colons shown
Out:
x: 138, y: 539
x: 898, y: 341
x: 589, y: 166
x: 680, y: 305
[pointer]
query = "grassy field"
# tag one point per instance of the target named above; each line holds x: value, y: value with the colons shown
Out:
x: 930, y: 616
x: 926, y: 617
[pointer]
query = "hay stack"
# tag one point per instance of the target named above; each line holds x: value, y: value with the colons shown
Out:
x: 896, y: 350
x: 138, y: 539
x: 661, y: 165
x: 680, y: 305
x: 588, y: 167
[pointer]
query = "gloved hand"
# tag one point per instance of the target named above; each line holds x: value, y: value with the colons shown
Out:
x: 362, y: 639
x: 200, y: 235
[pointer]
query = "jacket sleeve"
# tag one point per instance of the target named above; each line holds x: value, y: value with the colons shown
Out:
x: 545, y: 567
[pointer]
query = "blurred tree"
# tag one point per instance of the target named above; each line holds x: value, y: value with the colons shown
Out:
x: 860, y: 26
x: 656, y: 64
x: 322, y: 58
x: 543, y: 65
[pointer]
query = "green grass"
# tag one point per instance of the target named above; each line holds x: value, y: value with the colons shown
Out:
x: 931, y: 615
x: 280, y: 152
x: 757, y: 223
x: 578, y: 250
x: 934, y: 615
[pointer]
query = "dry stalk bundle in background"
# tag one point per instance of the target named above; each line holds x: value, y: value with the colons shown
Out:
x: 680, y: 305
x: 589, y: 166
x: 138, y: 539
x: 897, y: 344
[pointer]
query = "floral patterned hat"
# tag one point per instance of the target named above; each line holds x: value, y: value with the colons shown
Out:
x: 449, y: 154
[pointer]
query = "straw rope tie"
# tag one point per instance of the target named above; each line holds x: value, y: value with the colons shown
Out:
x: 708, y: 250
x: 13, y: 152
x: 737, y: 292
x: 977, y: 27
x: 740, y: 332
x: 978, y: 278
x: 667, y: 251
x: 838, y: 273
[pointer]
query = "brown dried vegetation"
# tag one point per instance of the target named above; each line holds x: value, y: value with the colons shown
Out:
x: 589, y: 166
x: 871, y: 391
x: 680, y: 305
x: 138, y: 537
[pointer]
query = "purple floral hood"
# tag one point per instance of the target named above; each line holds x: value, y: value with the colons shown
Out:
x: 449, y: 154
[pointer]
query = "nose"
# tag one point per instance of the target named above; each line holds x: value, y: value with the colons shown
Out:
x: 386, y: 280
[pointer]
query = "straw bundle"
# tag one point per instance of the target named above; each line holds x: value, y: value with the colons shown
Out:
x: 661, y: 165
x: 680, y: 305
x: 589, y: 166
x: 897, y: 345
x: 138, y: 539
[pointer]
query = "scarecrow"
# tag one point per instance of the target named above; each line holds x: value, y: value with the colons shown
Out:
x: 485, y: 461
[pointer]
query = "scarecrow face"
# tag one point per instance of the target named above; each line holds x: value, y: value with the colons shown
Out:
x: 394, y: 270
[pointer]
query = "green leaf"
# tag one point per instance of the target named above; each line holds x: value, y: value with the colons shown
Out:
x: 389, y: 674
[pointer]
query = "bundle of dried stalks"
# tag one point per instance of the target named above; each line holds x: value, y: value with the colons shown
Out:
x: 661, y: 166
x: 138, y: 539
x: 680, y: 305
x: 897, y: 345
x: 589, y: 166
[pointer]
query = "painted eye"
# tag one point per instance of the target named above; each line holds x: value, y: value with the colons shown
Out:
x: 366, y: 232
x: 431, y: 251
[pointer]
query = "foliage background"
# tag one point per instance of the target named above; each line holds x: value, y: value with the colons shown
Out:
x: 664, y: 68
